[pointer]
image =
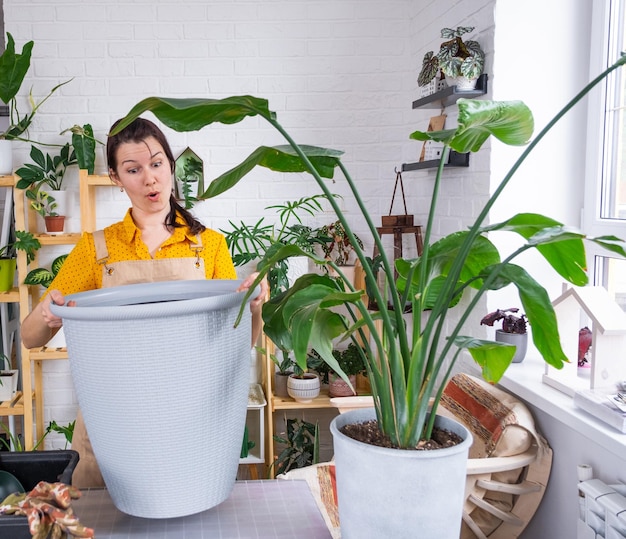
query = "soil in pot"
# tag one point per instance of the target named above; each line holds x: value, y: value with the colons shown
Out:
x: 369, y: 433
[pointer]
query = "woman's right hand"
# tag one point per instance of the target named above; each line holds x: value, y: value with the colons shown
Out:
x: 41, y: 325
x: 56, y: 297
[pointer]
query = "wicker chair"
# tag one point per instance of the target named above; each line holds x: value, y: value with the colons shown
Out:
x: 502, y: 492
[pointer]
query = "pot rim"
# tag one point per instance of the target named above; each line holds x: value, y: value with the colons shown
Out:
x: 366, y: 414
x: 152, y: 300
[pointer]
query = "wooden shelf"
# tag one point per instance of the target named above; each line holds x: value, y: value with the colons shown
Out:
x: 10, y: 296
x: 7, y: 181
x: 449, y: 96
x: 70, y: 238
x: 287, y: 403
x: 44, y: 354
x: 15, y: 406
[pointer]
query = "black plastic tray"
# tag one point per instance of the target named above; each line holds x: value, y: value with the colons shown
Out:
x: 30, y: 467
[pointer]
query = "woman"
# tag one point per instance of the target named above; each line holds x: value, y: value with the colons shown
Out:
x: 158, y: 240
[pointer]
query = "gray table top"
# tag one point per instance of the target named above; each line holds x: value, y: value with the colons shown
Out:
x: 255, y: 509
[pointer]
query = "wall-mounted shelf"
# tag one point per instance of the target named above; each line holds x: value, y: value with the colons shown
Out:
x: 440, y: 100
x: 449, y: 96
x: 455, y: 159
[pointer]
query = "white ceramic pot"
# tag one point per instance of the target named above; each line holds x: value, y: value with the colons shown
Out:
x: 63, y: 199
x: 398, y: 493
x: 519, y: 340
x: 58, y: 341
x: 462, y: 83
x: 8, y: 385
x: 304, y: 389
x: 6, y: 157
x: 120, y: 342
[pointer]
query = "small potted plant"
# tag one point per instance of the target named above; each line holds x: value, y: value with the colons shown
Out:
x: 303, y: 386
x: 338, y: 248
x: 460, y: 61
x: 47, y: 171
x: 513, y: 330
x: 24, y: 241
x: 350, y: 360
x: 302, y: 446
x: 252, y: 242
x: 284, y: 368
x: 8, y: 379
x: 45, y: 205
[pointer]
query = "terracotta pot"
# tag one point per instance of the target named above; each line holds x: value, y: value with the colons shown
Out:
x: 337, y: 386
x: 55, y: 224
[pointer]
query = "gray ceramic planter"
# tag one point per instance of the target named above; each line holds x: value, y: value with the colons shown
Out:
x: 519, y: 340
x: 161, y: 377
x: 398, y: 493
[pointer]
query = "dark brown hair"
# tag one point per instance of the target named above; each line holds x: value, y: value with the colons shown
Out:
x: 138, y: 131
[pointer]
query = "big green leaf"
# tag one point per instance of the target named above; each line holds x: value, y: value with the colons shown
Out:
x: 279, y: 159
x: 13, y: 68
x: 84, y: 144
x: 493, y: 358
x: 194, y: 114
x: 561, y: 246
x: 509, y: 121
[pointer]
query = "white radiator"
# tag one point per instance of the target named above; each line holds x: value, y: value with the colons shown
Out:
x: 602, y: 508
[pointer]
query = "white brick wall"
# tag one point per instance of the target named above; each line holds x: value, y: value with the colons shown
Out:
x: 339, y: 73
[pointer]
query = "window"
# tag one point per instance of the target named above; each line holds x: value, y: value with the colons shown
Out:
x: 605, y: 200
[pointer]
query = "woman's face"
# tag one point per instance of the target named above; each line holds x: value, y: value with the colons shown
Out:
x: 144, y: 172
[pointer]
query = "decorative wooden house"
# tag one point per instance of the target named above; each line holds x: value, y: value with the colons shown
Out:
x: 590, y: 306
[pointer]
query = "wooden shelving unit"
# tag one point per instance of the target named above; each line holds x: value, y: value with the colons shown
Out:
x: 32, y: 359
x: 275, y: 403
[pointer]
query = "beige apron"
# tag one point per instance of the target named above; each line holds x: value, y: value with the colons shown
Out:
x: 87, y: 473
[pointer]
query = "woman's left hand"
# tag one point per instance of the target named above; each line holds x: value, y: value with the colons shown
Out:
x: 256, y: 302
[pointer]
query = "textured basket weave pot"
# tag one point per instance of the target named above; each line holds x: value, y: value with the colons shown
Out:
x: 162, y: 457
x: 398, y: 493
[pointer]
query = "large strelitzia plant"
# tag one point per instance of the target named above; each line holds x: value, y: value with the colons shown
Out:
x: 408, y: 363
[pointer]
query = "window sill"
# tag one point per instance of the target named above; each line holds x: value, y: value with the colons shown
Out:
x: 525, y: 380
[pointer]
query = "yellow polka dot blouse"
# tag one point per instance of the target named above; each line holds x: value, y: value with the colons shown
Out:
x: 81, y: 272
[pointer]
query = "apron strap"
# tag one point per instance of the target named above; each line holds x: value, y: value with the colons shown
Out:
x: 102, y: 253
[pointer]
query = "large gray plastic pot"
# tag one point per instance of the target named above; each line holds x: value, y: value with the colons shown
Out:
x: 399, y: 493
x: 161, y: 377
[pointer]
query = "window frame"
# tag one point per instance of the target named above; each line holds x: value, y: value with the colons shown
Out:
x: 604, y: 45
